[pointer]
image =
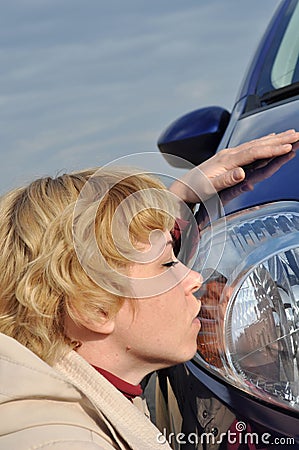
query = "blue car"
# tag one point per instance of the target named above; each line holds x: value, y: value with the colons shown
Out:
x: 248, y: 346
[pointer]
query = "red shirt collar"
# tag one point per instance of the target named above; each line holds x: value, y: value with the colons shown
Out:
x: 129, y: 390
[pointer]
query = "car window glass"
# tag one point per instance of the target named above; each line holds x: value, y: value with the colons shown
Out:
x: 286, y: 61
x: 280, y: 68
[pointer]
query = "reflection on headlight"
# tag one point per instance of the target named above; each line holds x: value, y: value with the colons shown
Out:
x: 262, y: 338
x: 209, y: 342
x: 250, y: 305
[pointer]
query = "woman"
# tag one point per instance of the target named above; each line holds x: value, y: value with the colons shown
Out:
x: 90, y: 297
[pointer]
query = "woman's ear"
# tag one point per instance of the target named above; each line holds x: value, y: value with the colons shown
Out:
x: 101, y: 323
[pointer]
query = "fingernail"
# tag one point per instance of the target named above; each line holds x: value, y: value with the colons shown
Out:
x: 238, y: 174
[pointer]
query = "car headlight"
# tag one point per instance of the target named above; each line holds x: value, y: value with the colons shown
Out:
x: 250, y: 301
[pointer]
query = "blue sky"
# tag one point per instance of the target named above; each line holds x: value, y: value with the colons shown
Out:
x: 84, y: 82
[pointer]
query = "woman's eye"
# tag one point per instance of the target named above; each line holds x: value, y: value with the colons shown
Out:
x: 170, y: 264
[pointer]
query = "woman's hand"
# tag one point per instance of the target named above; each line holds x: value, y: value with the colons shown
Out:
x: 225, y: 169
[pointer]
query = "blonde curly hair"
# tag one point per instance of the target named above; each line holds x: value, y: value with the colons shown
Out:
x: 41, y: 276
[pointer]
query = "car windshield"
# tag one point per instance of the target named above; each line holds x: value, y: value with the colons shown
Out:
x: 280, y: 72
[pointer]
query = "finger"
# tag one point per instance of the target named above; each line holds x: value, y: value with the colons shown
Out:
x: 251, y: 153
x: 289, y: 136
x: 229, y: 178
x: 295, y: 146
x: 279, y: 135
x: 275, y: 140
x: 267, y: 150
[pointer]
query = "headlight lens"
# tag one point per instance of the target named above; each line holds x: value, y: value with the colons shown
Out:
x: 250, y: 302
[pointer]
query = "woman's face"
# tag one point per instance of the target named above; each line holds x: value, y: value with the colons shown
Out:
x: 162, y: 328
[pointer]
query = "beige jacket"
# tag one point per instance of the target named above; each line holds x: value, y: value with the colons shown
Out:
x: 69, y: 407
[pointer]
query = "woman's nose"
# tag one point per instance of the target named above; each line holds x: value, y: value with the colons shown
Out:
x: 196, y: 280
x: 192, y: 280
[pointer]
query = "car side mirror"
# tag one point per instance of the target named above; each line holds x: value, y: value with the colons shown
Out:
x: 195, y: 136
